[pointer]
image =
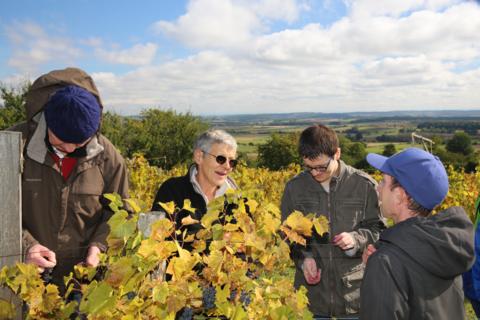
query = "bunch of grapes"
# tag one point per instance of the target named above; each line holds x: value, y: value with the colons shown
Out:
x: 233, y: 294
x: 245, y: 298
x: 208, y: 298
x: 46, y: 275
x: 131, y: 295
x: 187, y: 314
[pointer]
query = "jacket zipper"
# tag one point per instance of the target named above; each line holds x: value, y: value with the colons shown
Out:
x: 60, y: 166
x: 330, y: 257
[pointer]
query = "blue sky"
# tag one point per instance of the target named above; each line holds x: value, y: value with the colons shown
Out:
x: 252, y: 56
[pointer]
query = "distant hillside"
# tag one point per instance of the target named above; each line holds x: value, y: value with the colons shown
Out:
x: 310, y: 117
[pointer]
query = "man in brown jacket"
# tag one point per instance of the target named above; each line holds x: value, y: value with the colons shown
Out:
x: 68, y: 166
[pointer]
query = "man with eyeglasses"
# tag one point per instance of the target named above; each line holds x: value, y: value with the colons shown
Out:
x: 214, y: 158
x: 330, y: 267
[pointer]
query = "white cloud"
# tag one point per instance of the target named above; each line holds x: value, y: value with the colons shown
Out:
x: 211, y: 23
x: 286, y: 10
x: 404, y: 55
x: 395, y: 8
x: 32, y: 46
x: 227, y: 23
x: 139, y: 54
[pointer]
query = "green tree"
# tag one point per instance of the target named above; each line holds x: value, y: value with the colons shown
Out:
x: 12, y: 109
x: 166, y: 137
x: 114, y: 128
x: 353, y: 153
x: 389, y: 150
x: 460, y: 143
x: 279, y: 151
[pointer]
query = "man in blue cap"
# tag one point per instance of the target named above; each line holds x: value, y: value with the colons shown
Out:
x: 415, y: 270
x: 68, y: 167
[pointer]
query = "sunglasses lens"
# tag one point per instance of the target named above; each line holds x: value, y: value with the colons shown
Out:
x: 221, y: 159
x: 233, y: 163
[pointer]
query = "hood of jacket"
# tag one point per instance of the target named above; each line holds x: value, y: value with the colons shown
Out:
x: 47, y: 84
x: 443, y: 244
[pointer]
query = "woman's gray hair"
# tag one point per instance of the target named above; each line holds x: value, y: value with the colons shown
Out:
x: 212, y: 136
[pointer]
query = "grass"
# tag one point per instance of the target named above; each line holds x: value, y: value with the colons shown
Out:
x: 377, y: 147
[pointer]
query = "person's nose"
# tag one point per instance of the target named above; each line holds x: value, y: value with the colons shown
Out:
x: 69, y: 147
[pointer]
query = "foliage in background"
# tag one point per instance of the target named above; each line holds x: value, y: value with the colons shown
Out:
x: 389, y: 150
x: 12, y: 110
x: 279, y: 151
x: 165, y: 137
x: 353, y: 153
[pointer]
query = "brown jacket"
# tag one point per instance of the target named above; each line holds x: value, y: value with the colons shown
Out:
x: 66, y: 216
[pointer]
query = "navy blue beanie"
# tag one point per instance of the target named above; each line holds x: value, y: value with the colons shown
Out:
x: 73, y: 114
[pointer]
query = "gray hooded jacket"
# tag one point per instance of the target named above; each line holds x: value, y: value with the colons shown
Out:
x: 416, y: 271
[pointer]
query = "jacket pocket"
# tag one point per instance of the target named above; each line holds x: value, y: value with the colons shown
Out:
x: 351, y: 280
x: 307, y: 206
x: 86, y: 194
x: 353, y: 211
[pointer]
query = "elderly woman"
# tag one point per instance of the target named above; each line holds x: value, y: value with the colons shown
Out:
x: 214, y: 155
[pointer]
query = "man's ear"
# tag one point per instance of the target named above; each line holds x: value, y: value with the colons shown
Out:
x: 197, y: 156
x: 337, y: 154
x: 401, y: 195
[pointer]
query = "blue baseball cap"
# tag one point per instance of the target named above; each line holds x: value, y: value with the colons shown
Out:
x: 420, y: 173
x: 73, y: 114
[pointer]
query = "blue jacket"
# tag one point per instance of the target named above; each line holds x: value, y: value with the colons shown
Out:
x: 471, y: 278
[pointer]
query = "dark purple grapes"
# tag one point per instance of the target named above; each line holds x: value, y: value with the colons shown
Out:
x: 131, y: 295
x: 208, y: 298
x: 245, y: 298
x: 233, y: 294
x: 46, y: 275
x: 187, y: 314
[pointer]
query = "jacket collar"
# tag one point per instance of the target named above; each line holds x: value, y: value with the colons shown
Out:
x: 228, y: 184
x: 342, y: 167
x: 37, y: 150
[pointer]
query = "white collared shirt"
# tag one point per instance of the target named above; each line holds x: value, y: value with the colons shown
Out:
x: 220, y: 190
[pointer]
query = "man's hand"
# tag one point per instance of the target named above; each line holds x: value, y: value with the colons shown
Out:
x: 344, y: 241
x: 369, y: 250
x: 310, y: 271
x: 92, y: 259
x: 41, y: 256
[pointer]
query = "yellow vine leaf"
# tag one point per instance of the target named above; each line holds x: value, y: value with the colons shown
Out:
x: 160, y: 292
x: 188, y: 220
x: 169, y: 207
x: 187, y: 205
x: 133, y: 204
x: 299, y: 223
x: 321, y: 225
x: 293, y: 236
x: 252, y: 205
x: 209, y: 218
x: 98, y: 298
x: 162, y: 229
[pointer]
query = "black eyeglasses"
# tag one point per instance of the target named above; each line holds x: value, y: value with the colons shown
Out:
x: 222, y: 159
x: 318, y: 168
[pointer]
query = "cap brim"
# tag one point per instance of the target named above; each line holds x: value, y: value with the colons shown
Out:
x: 379, y: 162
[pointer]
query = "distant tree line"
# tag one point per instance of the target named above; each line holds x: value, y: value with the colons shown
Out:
x: 470, y: 127
x: 166, y: 137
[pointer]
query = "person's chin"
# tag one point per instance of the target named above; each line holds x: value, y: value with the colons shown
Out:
x: 321, y: 179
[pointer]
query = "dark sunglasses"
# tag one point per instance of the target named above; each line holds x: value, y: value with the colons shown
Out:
x: 222, y: 159
x: 318, y: 168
